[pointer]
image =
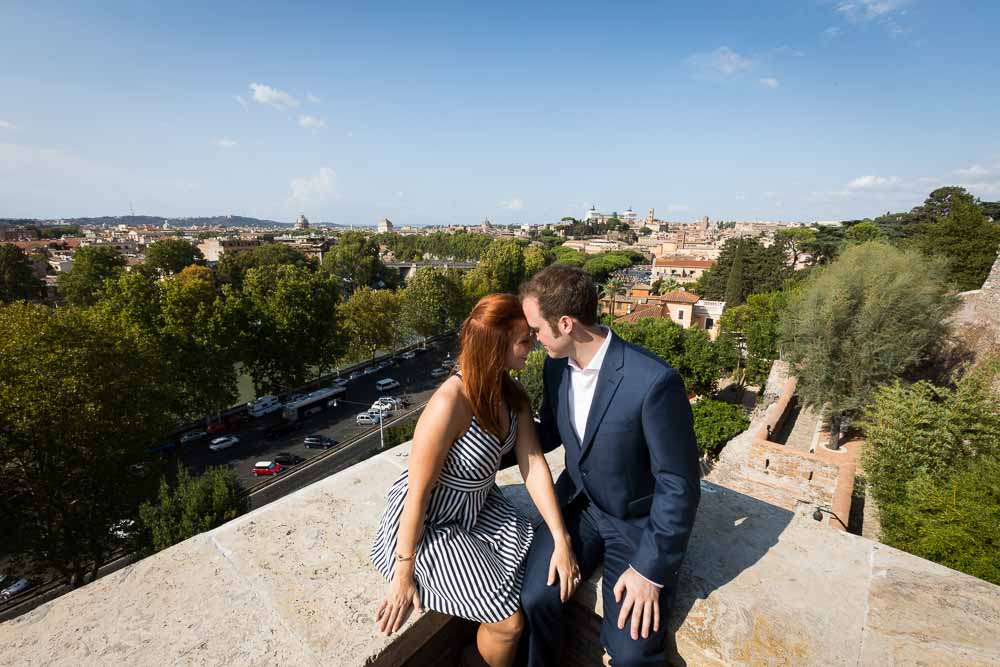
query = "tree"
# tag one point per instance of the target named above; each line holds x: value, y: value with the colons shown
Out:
x: 716, y: 423
x: 966, y: 240
x: 356, y: 262
x: 734, y: 284
x: 92, y: 265
x: 873, y: 315
x: 170, y: 256
x: 661, y: 286
x: 294, y: 320
x: 531, y: 377
x: 194, y: 505
x: 568, y: 256
x: 757, y: 323
x: 501, y: 269
x: 535, y: 259
x: 796, y: 240
x: 826, y: 246
x: 433, y: 302
x: 764, y: 269
x: 700, y: 366
x: 83, y: 398
x: 689, y: 351
x: 603, y: 265
x: 613, y: 289
x: 863, y: 232
x: 371, y: 320
x: 17, y: 279
x: 233, y: 267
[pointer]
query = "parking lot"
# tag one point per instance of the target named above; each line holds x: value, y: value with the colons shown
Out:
x: 337, y: 423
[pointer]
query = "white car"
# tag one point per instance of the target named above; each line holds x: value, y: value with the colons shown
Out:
x: 383, y: 408
x: 392, y: 402
x: 18, y: 586
x: 385, y: 384
x: 222, y: 443
x: 191, y: 436
x: 439, y: 372
x: 408, y: 355
x: 368, y: 418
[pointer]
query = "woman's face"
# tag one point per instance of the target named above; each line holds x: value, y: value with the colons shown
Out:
x: 522, y: 342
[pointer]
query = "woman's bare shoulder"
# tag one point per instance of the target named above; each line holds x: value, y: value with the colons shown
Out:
x: 450, y: 405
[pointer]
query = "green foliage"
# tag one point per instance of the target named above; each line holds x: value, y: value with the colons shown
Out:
x: 460, y: 246
x: 734, y: 284
x: 501, y: 269
x: 83, y: 396
x: 873, y: 315
x: 397, y: 435
x: 796, y: 240
x: 613, y: 289
x: 57, y: 231
x: 568, y: 256
x: 92, y: 265
x: 716, y: 423
x: 531, y: 377
x: 371, y: 321
x: 763, y: 269
x: 757, y: 322
x: 17, y: 280
x: 233, y: 267
x: 295, y: 325
x: 953, y: 521
x: 535, y: 259
x: 864, y: 232
x: 689, y: 351
x: 966, y: 240
x: 356, y: 262
x: 603, y: 265
x: 171, y: 255
x: 825, y: 247
x: 194, y: 505
x: 433, y: 302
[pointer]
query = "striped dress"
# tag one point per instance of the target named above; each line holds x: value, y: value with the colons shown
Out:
x: 470, y: 560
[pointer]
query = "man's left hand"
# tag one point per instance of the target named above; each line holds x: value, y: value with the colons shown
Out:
x: 641, y: 601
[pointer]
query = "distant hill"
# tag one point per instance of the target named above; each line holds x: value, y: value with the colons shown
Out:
x: 157, y: 221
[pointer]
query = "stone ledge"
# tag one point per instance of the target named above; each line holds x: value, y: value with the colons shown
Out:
x: 290, y: 583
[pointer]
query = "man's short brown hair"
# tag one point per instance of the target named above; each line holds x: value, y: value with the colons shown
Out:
x: 563, y: 290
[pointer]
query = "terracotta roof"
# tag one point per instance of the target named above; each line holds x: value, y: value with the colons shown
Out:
x: 680, y: 296
x: 681, y: 262
x: 649, y: 310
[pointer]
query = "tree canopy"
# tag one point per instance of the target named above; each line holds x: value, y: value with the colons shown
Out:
x: 232, y: 267
x: 356, y: 262
x: 17, y: 280
x: 965, y: 239
x: 172, y: 255
x: 433, y: 302
x: 760, y: 269
x: 92, y: 265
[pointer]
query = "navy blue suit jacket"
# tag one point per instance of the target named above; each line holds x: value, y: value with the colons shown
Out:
x: 638, y: 461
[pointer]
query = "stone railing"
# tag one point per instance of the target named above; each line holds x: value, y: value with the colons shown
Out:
x: 290, y: 584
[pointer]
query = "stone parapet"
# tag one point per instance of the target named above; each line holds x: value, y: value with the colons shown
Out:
x: 290, y: 583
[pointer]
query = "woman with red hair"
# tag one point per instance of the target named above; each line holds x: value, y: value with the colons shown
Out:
x: 449, y: 540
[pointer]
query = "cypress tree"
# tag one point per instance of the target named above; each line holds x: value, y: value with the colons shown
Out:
x: 734, y: 286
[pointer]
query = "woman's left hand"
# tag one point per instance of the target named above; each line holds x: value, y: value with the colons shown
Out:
x: 564, y: 566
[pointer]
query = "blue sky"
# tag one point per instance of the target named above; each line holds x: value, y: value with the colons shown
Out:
x: 453, y: 112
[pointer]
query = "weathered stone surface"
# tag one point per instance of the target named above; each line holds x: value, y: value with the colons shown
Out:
x: 291, y: 584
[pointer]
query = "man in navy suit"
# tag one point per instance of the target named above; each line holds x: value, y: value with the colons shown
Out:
x: 631, y: 485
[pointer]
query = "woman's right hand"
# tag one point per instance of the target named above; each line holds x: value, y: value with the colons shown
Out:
x: 401, y: 599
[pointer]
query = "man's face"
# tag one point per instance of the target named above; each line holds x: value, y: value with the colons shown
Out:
x: 555, y: 346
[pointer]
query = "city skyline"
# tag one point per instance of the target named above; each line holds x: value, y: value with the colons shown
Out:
x: 451, y: 114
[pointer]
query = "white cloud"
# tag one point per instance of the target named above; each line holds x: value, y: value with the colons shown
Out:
x: 868, y: 10
x: 279, y: 99
x: 318, y: 187
x: 312, y: 99
x: 723, y: 61
x: 515, y: 204
x: 241, y: 100
x: 311, y: 122
x: 7, y: 125
x: 769, y: 83
x: 225, y: 143
x: 972, y: 172
x: 872, y: 182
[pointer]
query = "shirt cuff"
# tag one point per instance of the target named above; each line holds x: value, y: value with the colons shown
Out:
x: 645, y: 577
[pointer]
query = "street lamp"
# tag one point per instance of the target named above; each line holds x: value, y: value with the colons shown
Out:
x: 381, y: 418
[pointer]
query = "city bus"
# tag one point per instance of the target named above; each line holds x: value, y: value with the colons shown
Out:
x: 311, y: 403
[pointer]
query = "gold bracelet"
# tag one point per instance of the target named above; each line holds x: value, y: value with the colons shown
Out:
x: 401, y: 559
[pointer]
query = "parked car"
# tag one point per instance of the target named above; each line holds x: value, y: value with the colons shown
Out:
x: 354, y: 375
x: 382, y: 408
x: 382, y: 365
x: 222, y: 443
x: 418, y: 350
x: 264, y: 405
x: 18, y: 586
x: 408, y: 355
x: 368, y: 418
x: 386, y: 384
x: 287, y: 458
x: 368, y: 370
x: 319, y: 442
x: 340, y: 382
x: 192, y: 436
x: 390, y: 401
x: 439, y: 372
x: 217, y: 427
x: 267, y: 468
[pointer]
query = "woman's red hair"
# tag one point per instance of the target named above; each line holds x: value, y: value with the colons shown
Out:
x: 485, y: 337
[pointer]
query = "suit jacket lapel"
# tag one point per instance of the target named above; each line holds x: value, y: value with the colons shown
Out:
x: 607, y: 384
x: 563, y: 418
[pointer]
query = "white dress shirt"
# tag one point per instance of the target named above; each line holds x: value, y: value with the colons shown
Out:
x: 583, y: 383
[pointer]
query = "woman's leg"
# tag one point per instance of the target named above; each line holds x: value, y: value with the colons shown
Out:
x: 497, y: 642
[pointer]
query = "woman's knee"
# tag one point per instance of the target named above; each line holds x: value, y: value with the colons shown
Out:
x: 509, y: 628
